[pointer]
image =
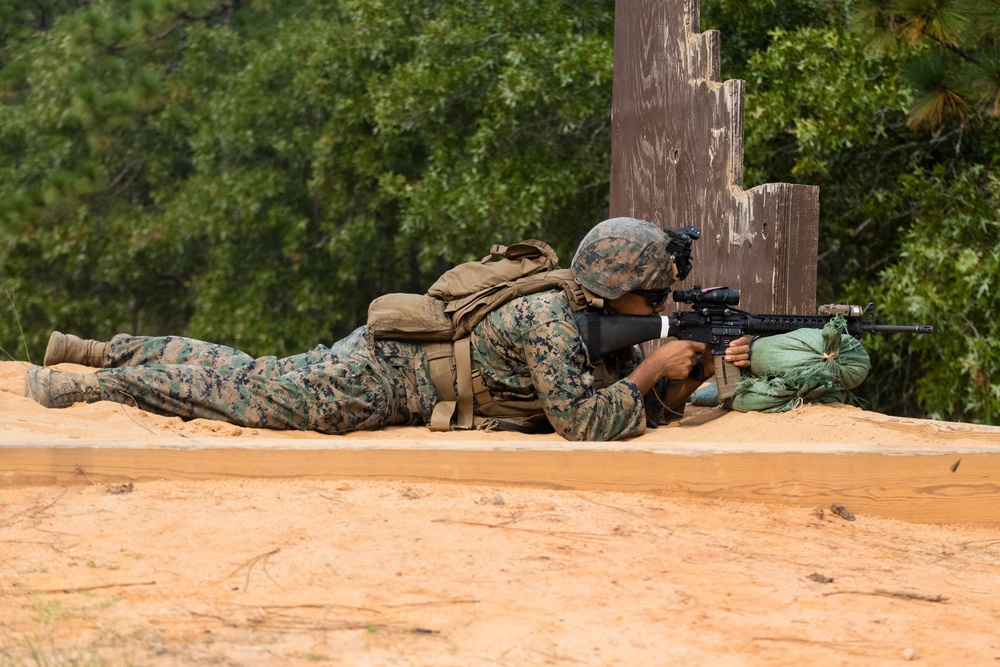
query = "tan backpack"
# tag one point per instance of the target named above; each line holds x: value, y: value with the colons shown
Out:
x: 443, y: 318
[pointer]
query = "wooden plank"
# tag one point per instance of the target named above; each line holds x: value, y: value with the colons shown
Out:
x: 921, y: 486
x: 677, y: 160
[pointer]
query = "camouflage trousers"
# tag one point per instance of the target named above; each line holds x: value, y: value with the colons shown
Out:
x: 356, y: 384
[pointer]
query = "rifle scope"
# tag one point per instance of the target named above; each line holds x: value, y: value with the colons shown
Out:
x: 713, y: 296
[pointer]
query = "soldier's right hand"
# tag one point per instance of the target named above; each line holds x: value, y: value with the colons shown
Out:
x: 675, y: 359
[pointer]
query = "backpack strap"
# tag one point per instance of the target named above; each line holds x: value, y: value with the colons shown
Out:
x: 463, y: 369
x: 479, y: 389
x: 450, y: 366
x: 441, y: 364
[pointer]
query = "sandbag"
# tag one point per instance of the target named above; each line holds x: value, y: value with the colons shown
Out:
x: 802, y: 366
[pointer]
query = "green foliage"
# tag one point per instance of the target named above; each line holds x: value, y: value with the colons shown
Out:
x: 257, y: 174
x: 953, y: 53
x: 74, y: 127
x: 820, y: 112
x: 946, y: 276
x: 815, y: 99
x: 901, y: 210
x: 508, y: 104
x: 747, y: 27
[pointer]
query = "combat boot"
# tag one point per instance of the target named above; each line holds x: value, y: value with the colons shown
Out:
x: 56, y: 389
x: 67, y: 348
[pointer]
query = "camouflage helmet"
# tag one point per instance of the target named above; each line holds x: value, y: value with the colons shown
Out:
x: 624, y: 254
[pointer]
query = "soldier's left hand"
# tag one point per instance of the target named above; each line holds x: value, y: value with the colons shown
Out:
x: 738, y: 352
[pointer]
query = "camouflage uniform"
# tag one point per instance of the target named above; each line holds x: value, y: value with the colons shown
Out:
x: 354, y: 385
x: 529, y: 348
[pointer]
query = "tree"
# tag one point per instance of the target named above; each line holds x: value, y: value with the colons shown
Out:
x: 898, y: 206
x: 946, y: 275
x: 77, y: 99
x: 952, y: 53
x: 226, y: 171
x: 255, y: 174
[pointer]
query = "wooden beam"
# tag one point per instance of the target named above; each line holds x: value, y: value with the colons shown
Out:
x: 942, y: 484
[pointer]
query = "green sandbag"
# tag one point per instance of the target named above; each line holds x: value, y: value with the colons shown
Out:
x: 802, y: 366
x: 775, y: 394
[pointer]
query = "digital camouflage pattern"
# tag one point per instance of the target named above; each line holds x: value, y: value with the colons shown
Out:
x: 350, y: 386
x: 624, y: 254
x: 529, y: 348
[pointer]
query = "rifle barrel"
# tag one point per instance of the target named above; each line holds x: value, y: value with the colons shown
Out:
x: 900, y: 328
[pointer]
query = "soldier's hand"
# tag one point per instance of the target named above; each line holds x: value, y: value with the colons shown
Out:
x: 676, y: 358
x: 738, y: 352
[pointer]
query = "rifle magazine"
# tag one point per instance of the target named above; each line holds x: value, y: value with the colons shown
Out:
x: 727, y: 376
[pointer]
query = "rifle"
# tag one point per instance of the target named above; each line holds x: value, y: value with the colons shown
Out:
x: 715, y: 320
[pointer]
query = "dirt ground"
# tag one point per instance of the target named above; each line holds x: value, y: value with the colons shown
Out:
x: 262, y: 572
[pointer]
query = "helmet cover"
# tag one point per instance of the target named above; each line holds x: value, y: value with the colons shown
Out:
x: 624, y: 254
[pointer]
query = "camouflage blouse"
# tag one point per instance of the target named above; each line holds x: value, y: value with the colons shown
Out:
x: 531, y: 347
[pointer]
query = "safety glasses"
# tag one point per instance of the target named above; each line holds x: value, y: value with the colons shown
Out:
x: 654, y: 298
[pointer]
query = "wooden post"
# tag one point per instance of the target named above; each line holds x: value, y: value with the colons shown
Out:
x: 677, y: 160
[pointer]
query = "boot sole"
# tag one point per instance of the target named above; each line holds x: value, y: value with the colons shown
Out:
x: 36, y: 382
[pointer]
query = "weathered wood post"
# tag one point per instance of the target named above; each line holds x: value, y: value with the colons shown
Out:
x: 677, y: 160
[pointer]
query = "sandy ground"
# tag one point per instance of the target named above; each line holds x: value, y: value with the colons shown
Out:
x: 265, y: 572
